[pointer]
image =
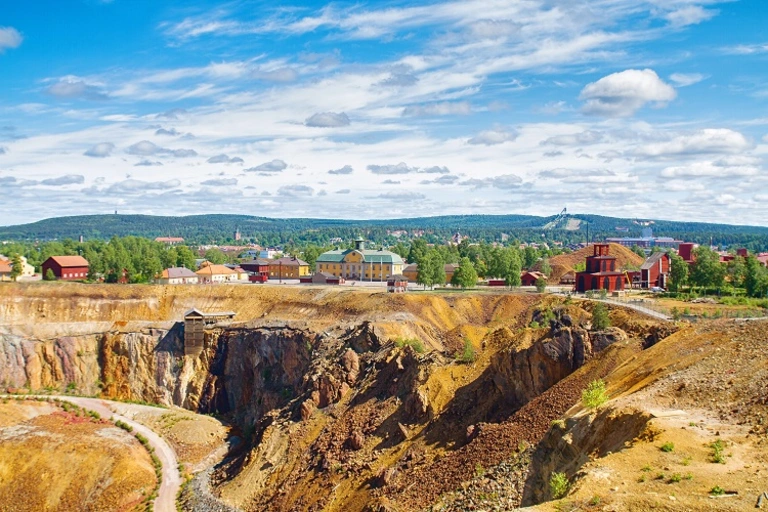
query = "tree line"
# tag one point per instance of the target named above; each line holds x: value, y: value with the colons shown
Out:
x: 708, y: 273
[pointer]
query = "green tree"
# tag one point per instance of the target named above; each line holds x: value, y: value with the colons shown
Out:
x: 215, y: 256
x: 49, y: 276
x: 638, y: 250
x: 431, y: 269
x: 17, y: 267
x: 736, y: 270
x: 600, y: 318
x: 755, y: 278
x: 678, y: 273
x: 185, y: 257
x: 465, y: 276
x: 541, y: 285
x: 418, y: 250
x: 546, y: 268
x: 707, y: 271
x: 529, y: 257
x: 513, y: 273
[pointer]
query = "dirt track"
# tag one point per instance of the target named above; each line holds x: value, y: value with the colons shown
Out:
x: 171, y: 481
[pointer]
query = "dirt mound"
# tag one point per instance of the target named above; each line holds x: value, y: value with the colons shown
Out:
x: 565, y: 263
x: 53, y: 460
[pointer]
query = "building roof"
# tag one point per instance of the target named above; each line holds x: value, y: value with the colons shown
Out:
x: 257, y: 261
x: 288, y: 261
x: 5, y: 267
x: 369, y: 256
x: 197, y: 312
x: 70, y: 261
x: 169, y: 239
x: 176, y: 273
x: 211, y: 270
x: 652, y: 260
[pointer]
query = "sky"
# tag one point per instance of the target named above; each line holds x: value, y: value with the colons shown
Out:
x: 365, y: 110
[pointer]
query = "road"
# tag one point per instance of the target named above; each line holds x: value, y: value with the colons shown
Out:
x: 169, y: 487
x: 636, y: 307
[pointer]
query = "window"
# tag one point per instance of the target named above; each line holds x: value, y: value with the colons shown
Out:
x: 606, y: 284
x: 618, y: 283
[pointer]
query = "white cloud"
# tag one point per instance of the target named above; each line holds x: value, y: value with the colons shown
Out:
x: 220, y: 182
x: 622, y: 94
x: 401, y: 168
x: 498, y: 135
x: 686, y: 79
x: 277, y: 75
x: 147, y: 148
x: 327, y: 120
x: 689, y: 15
x: 9, y: 38
x: 269, y: 167
x: 438, y: 109
x: 295, y: 191
x: 575, y: 139
x: 708, y: 141
x: 101, y: 150
x: 71, y: 87
x: 69, y: 179
x: 347, y: 169
x: 225, y: 159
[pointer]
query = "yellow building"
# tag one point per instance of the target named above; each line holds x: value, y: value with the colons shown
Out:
x: 360, y: 263
x: 288, y: 268
x: 412, y: 272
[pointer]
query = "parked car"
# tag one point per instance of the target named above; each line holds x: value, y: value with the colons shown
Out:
x: 657, y: 289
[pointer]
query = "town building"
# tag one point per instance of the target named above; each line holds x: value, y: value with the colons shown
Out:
x: 177, y: 275
x: 685, y: 251
x: 27, y: 270
x: 601, y: 272
x: 529, y: 278
x: 360, y: 263
x: 210, y: 273
x: 654, y: 272
x: 288, y: 267
x: 6, y: 269
x: 69, y: 268
x: 412, y: 272
x: 321, y: 278
x: 258, y: 270
x: 169, y: 240
x: 397, y: 284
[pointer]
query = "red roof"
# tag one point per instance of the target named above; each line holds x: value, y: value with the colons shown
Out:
x: 70, y: 261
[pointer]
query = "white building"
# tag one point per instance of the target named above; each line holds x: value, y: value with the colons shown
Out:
x: 177, y: 275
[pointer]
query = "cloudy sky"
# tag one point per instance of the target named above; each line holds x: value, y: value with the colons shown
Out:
x: 633, y: 108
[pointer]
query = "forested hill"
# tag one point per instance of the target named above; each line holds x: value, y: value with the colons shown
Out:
x: 216, y: 228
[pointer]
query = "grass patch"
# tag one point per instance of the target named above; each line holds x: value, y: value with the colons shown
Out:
x: 416, y: 344
x: 668, y: 447
x: 717, y: 491
x: 468, y: 355
x: 558, y: 485
x: 718, y: 452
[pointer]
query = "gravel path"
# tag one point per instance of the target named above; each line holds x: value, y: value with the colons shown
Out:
x: 169, y: 487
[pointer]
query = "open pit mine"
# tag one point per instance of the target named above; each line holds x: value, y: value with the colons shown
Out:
x: 316, y: 399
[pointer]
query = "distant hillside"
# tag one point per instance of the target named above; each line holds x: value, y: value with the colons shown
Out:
x: 217, y: 228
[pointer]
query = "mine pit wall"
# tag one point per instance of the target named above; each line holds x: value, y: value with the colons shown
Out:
x: 250, y: 371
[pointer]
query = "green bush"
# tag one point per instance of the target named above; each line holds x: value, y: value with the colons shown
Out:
x: 594, y: 395
x: 468, y: 355
x: 416, y: 344
x: 558, y: 485
x: 600, y: 318
x: 718, y: 452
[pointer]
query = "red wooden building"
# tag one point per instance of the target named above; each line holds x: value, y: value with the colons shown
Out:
x: 530, y: 278
x: 655, y: 271
x: 257, y: 269
x: 601, y: 272
x: 70, y: 268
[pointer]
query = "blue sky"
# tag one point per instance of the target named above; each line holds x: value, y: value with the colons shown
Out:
x: 632, y: 108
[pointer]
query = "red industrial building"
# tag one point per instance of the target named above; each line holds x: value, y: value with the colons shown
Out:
x: 685, y: 250
x: 655, y: 271
x: 601, y: 272
x: 257, y: 269
x: 70, y: 268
